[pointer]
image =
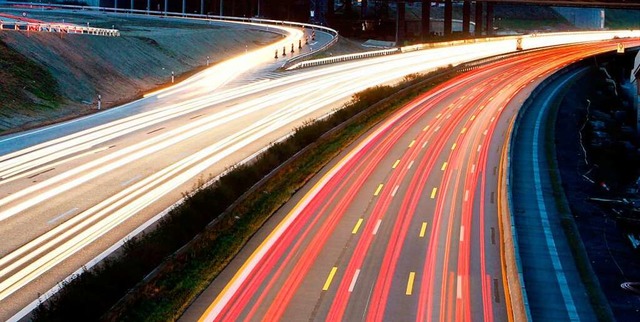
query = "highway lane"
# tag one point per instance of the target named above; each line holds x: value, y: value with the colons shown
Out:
x: 72, y: 196
x: 404, y: 225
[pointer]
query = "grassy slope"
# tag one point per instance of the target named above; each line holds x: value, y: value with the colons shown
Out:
x: 25, y: 84
x: 622, y: 18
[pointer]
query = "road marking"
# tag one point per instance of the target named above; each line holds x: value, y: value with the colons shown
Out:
x: 423, y: 229
x: 461, y: 233
x: 71, y: 211
x: 355, y: 229
x: 426, y: 128
x: 552, y: 249
x: 425, y: 144
x: 393, y: 193
x: 156, y: 130
x: 444, y: 166
x: 479, y: 147
x: 473, y: 117
x: 329, y: 278
x: 473, y: 168
x: 459, y: 287
x: 410, y: 164
x: 481, y: 107
x: 466, y: 195
x: 395, y: 164
x: 453, y: 146
x: 437, y: 128
x: 496, y: 290
x: 463, y: 130
x: 448, y: 116
x: 433, y: 192
x: 126, y: 183
x: 492, y: 119
x: 37, y: 174
x: 438, y: 116
x: 412, y: 143
x: 353, y: 280
x: 378, y: 190
x: 412, y: 276
x: 375, y: 229
x: 485, y: 132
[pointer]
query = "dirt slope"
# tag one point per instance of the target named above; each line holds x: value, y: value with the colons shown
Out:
x: 120, y: 68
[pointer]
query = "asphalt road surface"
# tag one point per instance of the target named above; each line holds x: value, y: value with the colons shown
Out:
x: 402, y: 226
x: 71, y: 191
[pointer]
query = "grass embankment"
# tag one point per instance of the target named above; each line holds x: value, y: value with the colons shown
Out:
x: 622, y: 19
x: 223, y: 216
x: 24, y: 84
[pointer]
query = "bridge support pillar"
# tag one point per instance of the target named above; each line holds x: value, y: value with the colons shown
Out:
x: 448, y: 17
x: 478, y: 18
x: 426, y: 19
x: 400, y: 23
x: 466, y: 17
x: 489, y: 18
x: 363, y: 8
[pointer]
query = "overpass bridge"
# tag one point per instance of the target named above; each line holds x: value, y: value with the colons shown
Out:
x: 320, y: 9
x: 483, y: 11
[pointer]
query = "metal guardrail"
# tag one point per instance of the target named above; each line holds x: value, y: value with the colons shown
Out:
x: 59, y: 28
x: 342, y: 58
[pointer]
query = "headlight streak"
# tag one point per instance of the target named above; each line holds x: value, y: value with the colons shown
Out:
x: 299, y: 94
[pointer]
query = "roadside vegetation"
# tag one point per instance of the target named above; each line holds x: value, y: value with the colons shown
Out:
x: 25, y: 85
x: 622, y: 19
x: 158, y: 274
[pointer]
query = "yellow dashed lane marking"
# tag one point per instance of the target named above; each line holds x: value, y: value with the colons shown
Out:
x: 423, y: 229
x: 396, y: 164
x: 444, y: 166
x: 355, y: 229
x: 378, y: 190
x: 329, y: 278
x: 412, y: 276
x: 433, y: 192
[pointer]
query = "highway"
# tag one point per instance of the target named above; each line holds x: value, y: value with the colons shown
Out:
x: 404, y: 224
x: 70, y: 192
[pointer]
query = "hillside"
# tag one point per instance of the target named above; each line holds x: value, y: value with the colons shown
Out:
x: 67, y: 72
